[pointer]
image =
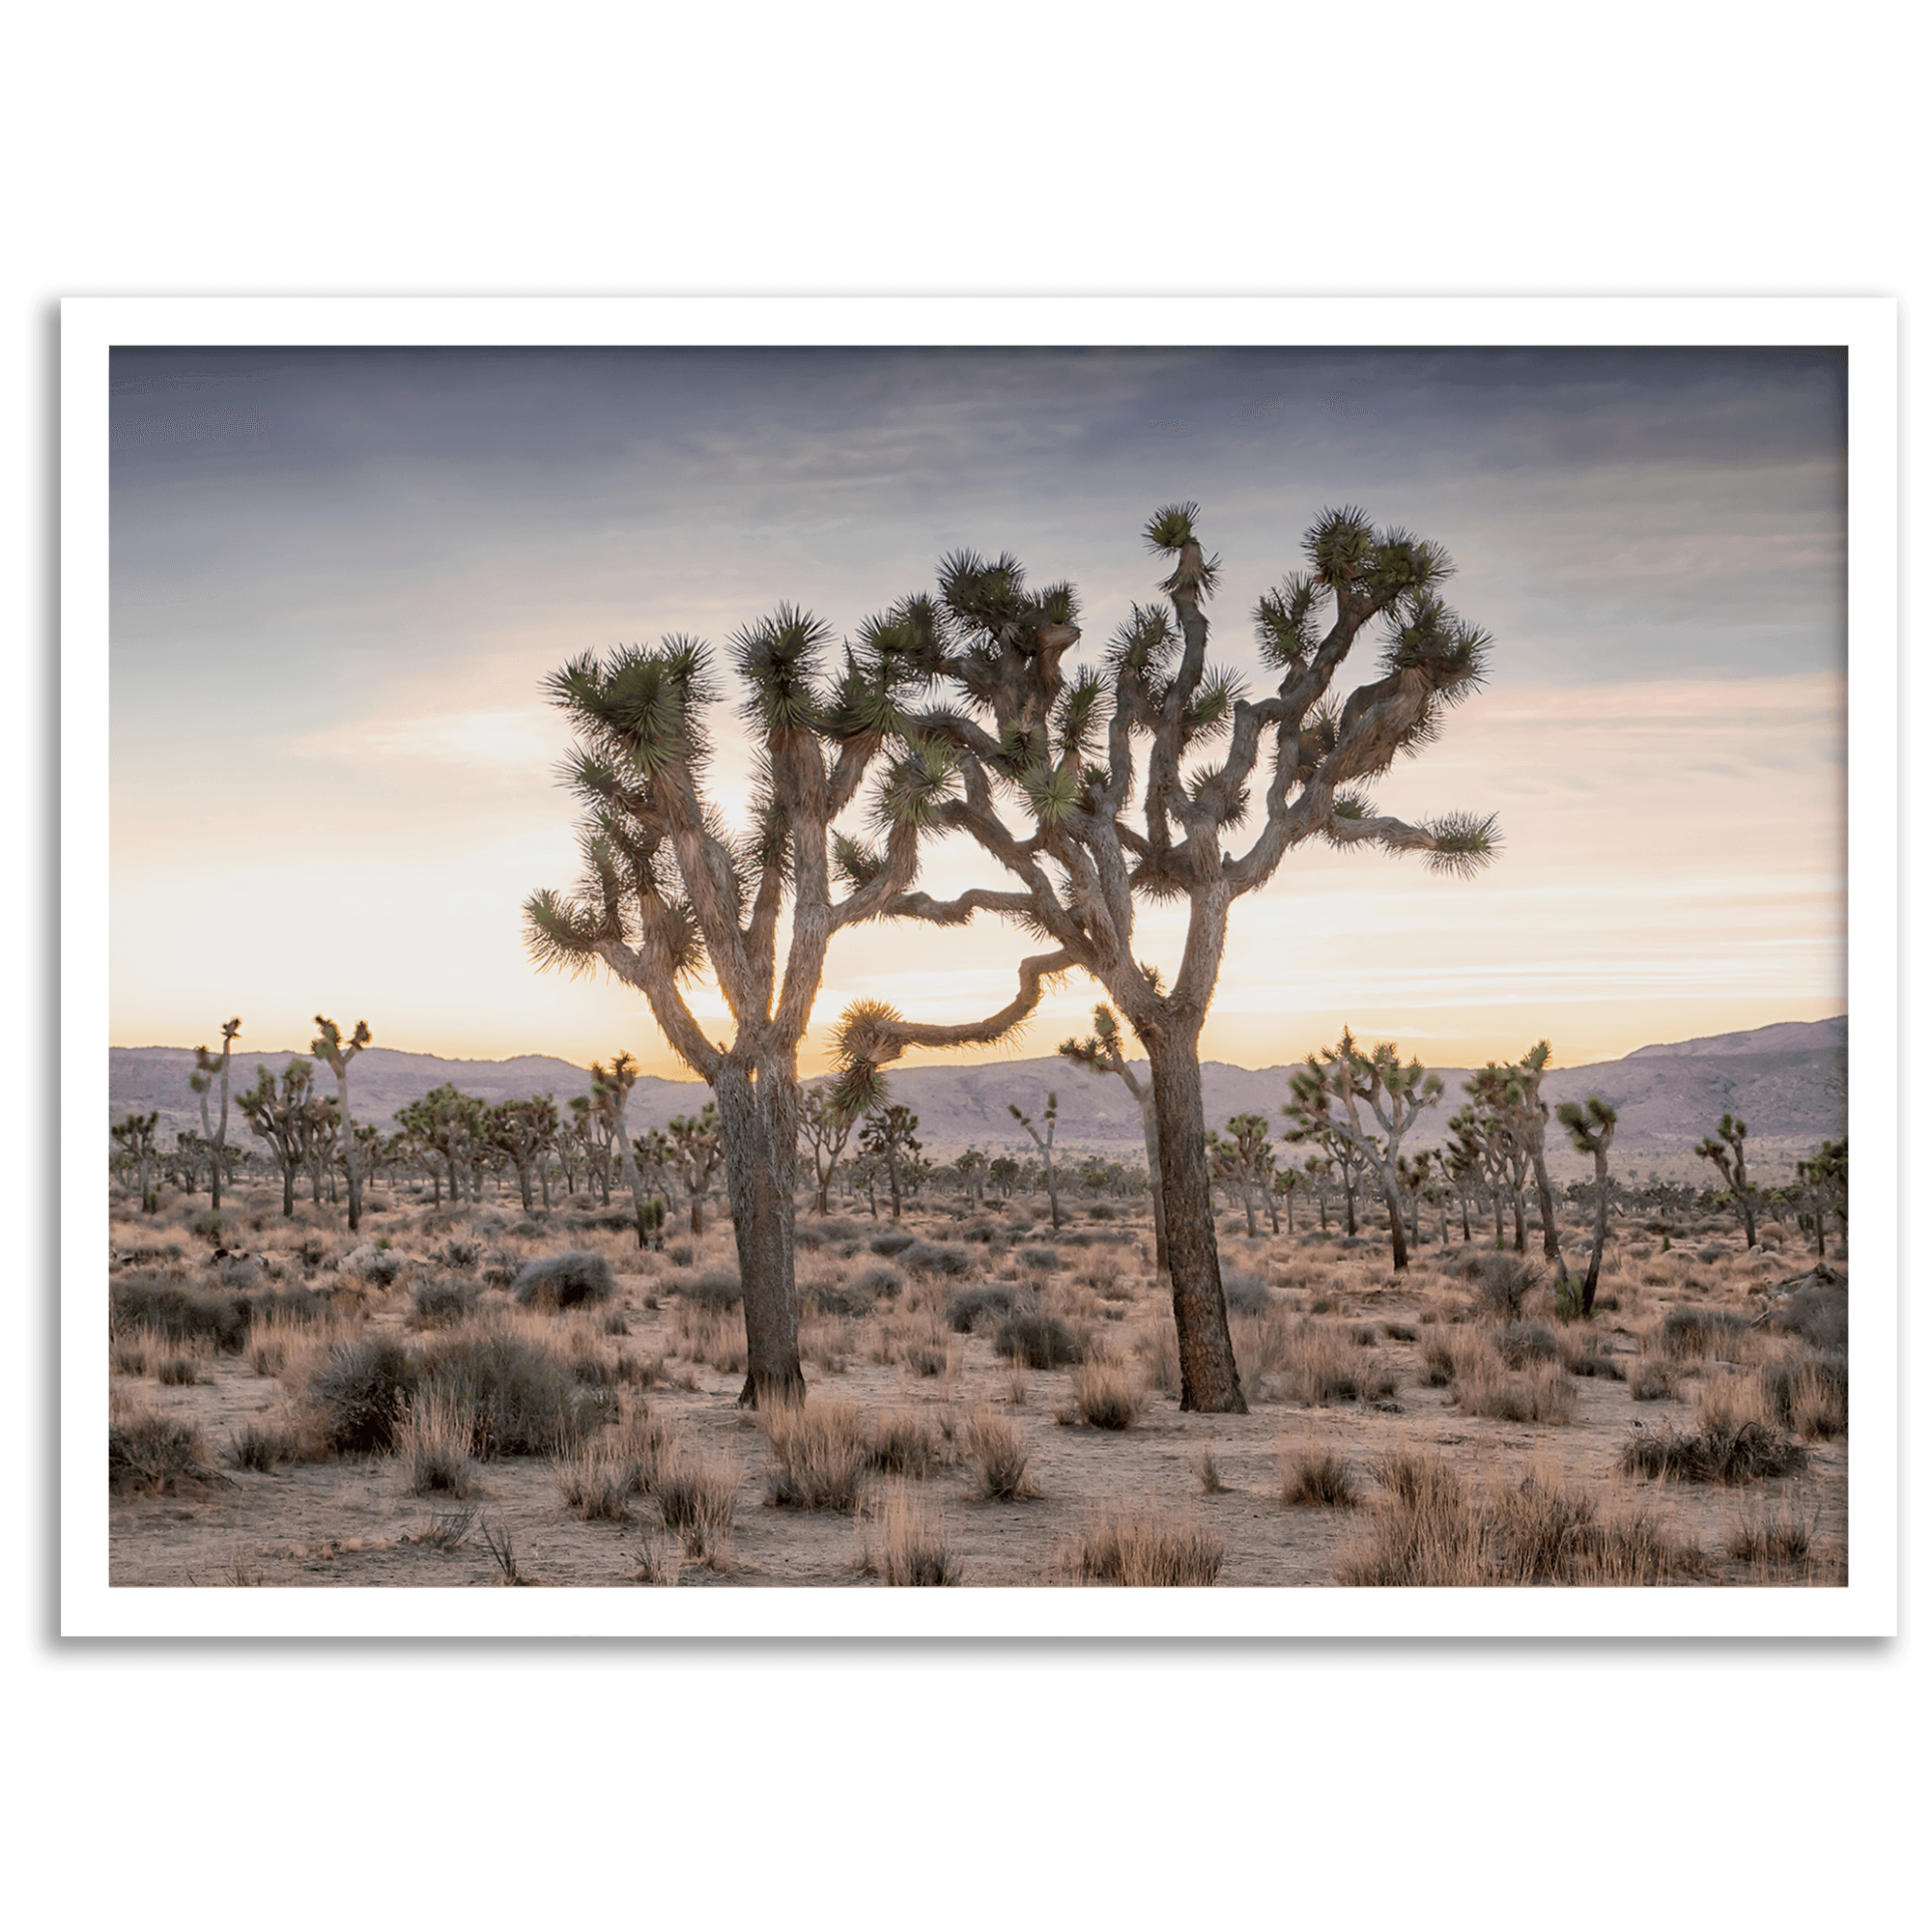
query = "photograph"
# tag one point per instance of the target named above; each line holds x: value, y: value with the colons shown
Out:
x: 1063, y: 968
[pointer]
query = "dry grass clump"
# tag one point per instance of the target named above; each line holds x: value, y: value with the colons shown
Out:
x: 1158, y: 1347
x: 1311, y: 1476
x: 1107, y: 1396
x: 1696, y: 1332
x: 597, y: 1483
x: 1538, y: 1527
x: 1653, y: 1380
x: 820, y: 1453
x: 905, y: 1443
x: 1137, y: 1550
x: 1810, y: 1394
x: 1039, y: 1341
x: 698, y: 1496
x: 1209, y: 1473
x: 1733, y: 1442
x: 150, y: 1452
x: 1632, y: 1547
x: 1484, y: 1386
x: 436, y: 1438
x: 659, y: 1563
x: 260, y: 1448
x: 913, y: 1549
x: 999, y: 1452
x: 708, y: 1335
x: 1321, y: 1365
x: 177, y: 1371
x: 1766, y: 1536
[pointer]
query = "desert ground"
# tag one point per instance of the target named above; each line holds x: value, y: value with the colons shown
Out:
x: 990, y: 1402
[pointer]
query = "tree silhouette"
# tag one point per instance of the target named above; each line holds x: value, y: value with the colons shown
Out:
x: 1329, y: 1094
x: 328, y: 1048
x: 1104, y: 1051
x: 1825, y: 1185
x: 136, y: 1135
x: 825, y: 1127
x: 1045, y: 1146
x: 524, y: 1132
x: 696, y: 1148
x: 668, y: 892
x: 1244, y: 1161
x: 207, y: 1069
x: 1097, y: 765
x: 1726, y: 1154
x: 888, y: 1140
x: 1592, y: 1127
x: 281, y: 1114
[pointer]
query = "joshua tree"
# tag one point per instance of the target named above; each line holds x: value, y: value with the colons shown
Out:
x: 1026, y: 734
x: 697, y: 1147
x: 1824, y: 1186
x: 1286, y: 1183
x: 668, y: 893
x: 970, y: 1168
x: 450, y: 1123
x: 207, y: 1069
x: 1592, y: 1127
x: 136, y: 1136
x: 328, y: 1048
x: 281, y: 1115
x: 1726, y: 1154
x: 888, y: 1139
x: 1003, y: 1172
x: 1045, y: 1146
x: 524, y: 1131
x: 1329, y: 1094
x: 1513, y: 1098
x: 1104, y: 1051
x: 1243, y: 1161
x: 825, y: 1125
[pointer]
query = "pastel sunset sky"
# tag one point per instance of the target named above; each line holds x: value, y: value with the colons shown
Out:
x: 340, y: 575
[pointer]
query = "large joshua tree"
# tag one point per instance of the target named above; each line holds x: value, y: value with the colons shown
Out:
x: 1097, y: 766
x: 207, y: 1069
x: 1726, y: 1154
x: 332, y: 1050
x: 668, y: 891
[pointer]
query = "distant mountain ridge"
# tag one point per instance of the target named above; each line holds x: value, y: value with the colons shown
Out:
x: 1788, y: 1080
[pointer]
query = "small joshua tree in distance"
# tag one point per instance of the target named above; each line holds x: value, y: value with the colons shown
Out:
x: 1592, y: 1127
x: 207, y: 1070
x: 1726, y: 1154
x: 328, y: 1048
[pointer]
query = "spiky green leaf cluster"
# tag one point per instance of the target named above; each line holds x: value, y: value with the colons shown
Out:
x: 1463, y: 843
x: 1285, y: 620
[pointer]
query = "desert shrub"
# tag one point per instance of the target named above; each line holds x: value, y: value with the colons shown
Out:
x: 837, y: 1299
x: 1321, y: 1365
x: 893, y: 1243
x: 1632, y: 1547
x: 1438, y: 1362
x: 1810, y: 1394
x: 905, y: 1443
x: 151, y: 1453
x: 435, y: 1438
x: 177, y: 1371
x: 716, y: 1289
x: 1818, y: 1313
x: 569, y: 1280
x: 1485, y: 1387
x: 1761, y: 1535
x: 1043, y: 1260
x: 460, y: 1255
x: 680, y: 1254
x: 973, y: 1308
x: 1106, y: 1396
x: 597, y: 1484
x: 1315, y: 1476
x: 1399, y: 1331
x: 646, y: 1444
x: 1420, y: 1532
x: 698, y: 1497
x: 916, y: 1553
x: 614, y: 1323
x: 1245, y: 1293
x: 523, y: 1396
x: 441, y: 1300
x: 999, y: 1453
x: 1138, y: 1550
x: 1700, y: 1332
x: 1364, y: 1335
x: 1592, y: 1364
x: 1738, y: 1453
x: 178, y: 1314
x: 1159, y: 1346
x: 1654, y: 1381
x: 982, y: 1231
x: 1503, y: 1283
x: 925, y: 1258
x: 360, y: 1394
x: 1522, y: 1343
x: 820, y: 1453
x: 882, y: 1284
x: 1538, y: 1526
x: 129, y: 1359
x: 1039, y: 1341
x: 260, y: 1449
x: 808, y: 1237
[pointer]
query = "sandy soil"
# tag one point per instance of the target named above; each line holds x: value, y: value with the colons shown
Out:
x: 353, y: 1521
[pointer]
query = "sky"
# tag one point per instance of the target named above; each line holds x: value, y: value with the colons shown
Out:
x: 339, y: 578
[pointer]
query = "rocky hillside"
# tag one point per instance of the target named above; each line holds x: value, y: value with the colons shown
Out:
x: 1788, y: 1081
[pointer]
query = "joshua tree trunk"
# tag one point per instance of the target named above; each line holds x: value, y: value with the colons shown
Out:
x: 758, y: 1108
x: 1210, y: 1382
x: 636, y: 1184
x: 1398, y: 1239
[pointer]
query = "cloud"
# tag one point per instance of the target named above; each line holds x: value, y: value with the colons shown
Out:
x: 501, y: 742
